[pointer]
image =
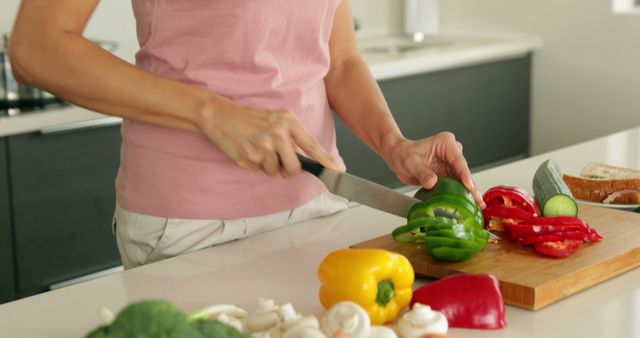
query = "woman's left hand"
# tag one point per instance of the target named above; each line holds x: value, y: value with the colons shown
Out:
x: 422, y: 162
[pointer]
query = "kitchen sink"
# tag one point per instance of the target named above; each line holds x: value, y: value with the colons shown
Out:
x: 401, y: 45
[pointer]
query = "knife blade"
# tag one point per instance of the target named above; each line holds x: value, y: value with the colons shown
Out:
x: 360, y: 190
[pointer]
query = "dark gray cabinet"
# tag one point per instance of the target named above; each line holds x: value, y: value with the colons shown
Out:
x: 486, y: 106
x: 7, y: 277
x: 63, y: 200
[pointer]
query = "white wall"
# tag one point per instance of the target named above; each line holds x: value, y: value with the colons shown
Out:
x: 586, y: 78
x: 378, y: 17
x: 113, y: 20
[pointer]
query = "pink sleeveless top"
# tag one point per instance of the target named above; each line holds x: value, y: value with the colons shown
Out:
x: 265, y: 53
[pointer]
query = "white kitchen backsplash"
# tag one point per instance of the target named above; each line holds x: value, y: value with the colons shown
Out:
x: 113, y: 20
x: 378, y: 17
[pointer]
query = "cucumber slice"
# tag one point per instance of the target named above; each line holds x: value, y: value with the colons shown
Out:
x: 553, y: 195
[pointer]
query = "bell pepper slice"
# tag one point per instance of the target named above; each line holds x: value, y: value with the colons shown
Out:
x: 451, y: 254
x: 446, y: 186
x: 594, y: 235
x: 460, y: 232
x: 438, y: 241
x: 414, y: 230
x: 516, y: 231
x: 558, y: 220
x: 378, y: 280
x: 480, y: 233
x: 558, y: 249
x: 471, y: 301
x: 504, y: 213
x: 512, y: 197
x: 449, y: 206
x: 507, y: 203
x: 532, y: 240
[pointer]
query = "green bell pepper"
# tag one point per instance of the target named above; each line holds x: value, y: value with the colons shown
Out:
x: 449, y: 198
x: 448, y: 221
x: 437, y: 242
x: 445, y: 185
x: 451, y: 254
x: 414, y: 230
x: 451, y: 206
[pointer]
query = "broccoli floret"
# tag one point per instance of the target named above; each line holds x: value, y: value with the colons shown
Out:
x: 214, y: 328
x: 161, y: 319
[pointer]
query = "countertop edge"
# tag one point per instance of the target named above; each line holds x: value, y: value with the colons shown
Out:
x: 509, y: 48
x: 40, y: 121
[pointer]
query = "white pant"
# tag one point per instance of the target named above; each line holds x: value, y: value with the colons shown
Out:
x: 145, y: 239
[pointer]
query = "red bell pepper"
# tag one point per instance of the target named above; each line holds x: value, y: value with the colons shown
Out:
x: 507, y: 203
x: 512, y: 197
x: 505, y: 212
x: 532, y: 240
x: 515, y: 211
x: 559, y: 221
x: 594, y: 235
x: 558, y: 249
x: 537, y: 226
x: 516, y: 231
x: 467, y: 300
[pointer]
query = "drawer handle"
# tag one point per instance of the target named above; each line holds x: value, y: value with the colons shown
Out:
x: 82, y: 125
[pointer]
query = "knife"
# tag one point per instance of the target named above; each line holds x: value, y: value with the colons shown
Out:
x: 360, y: 190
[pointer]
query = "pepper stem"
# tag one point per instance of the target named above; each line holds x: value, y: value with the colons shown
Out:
x: 386, y: 292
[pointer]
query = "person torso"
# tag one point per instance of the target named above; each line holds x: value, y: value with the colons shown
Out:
x: 270, y: 54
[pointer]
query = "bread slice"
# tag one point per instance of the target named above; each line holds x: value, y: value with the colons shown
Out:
x: 601, y: 182
x: 606, y: 171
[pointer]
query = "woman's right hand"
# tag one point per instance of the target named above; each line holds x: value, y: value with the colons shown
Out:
x: 261, y: 139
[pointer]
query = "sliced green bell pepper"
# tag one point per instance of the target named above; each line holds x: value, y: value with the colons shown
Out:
x: 447, y: 198
x: 415, y: 230
x: 448, y: 220
x: 437, y: 241
x: 451, y: 254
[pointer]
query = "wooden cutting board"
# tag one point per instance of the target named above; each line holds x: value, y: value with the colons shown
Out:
x: 532, y: 281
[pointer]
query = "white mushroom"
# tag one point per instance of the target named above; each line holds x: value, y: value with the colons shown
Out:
x: 215, y: 310
x: 232, y: 321
x: 261, y: 334
x: 264, y: 317
x: 288, y: 314
x: 306, y: 321
x: 294, y: 325
x: 226, y: 313
x: 348, y: 317
x: 106, y: 315
x: 421, y: 321
x: 379, y: 331
x: 304, y: 332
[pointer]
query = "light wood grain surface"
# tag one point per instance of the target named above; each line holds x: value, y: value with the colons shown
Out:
x: 530, y: 280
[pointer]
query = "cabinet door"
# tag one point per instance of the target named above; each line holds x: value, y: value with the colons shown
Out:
x: 63, y: 199
x: 7, y: 281
x: 486, y: 106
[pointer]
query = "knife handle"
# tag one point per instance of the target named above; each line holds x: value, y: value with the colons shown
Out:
x: 310, y: 165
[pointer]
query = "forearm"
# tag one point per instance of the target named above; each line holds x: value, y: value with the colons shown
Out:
x: 356, y: 98
x: 75, y: 69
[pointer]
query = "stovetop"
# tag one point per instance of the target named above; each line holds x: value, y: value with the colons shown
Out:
x: 25, y: 107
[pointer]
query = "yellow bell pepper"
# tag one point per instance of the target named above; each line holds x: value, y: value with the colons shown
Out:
x: 378, y: 280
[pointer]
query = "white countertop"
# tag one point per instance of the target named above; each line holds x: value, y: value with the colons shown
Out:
x: 41, y: 121
x: 282, y: 265
x: 444, y: 52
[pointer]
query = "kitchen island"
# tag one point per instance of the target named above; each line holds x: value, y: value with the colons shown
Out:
x: 282, y: 264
